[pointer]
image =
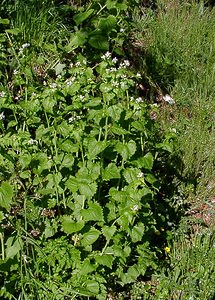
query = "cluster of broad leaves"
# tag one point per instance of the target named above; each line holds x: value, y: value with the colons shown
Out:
x: 77, y: 185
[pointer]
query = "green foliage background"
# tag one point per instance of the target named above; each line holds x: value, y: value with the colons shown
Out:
x: 89, y: 176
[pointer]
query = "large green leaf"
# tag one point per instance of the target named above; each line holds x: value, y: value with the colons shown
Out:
x: 131, y: 275
x: 119, y: 130
x: 69, y: 225
x: 95, y: 147
x: 87, y: 267
x: 88, y: 189
x: 6, y: 195
x: 137, y: 232
x: 105, y: 260
x: 93, y: 213
x: 25, y: 160
x: 68, y: 146
x: 99, y: 41
x: 68, y: 161
x: 145, y: 161
x: 13, y: 247
x: 4, y: 21
x: 72, y: 184
x: 90, y: 237
x: 126, y: 149
x: 82, y: 16
x: 77, y: 39
x: 48, y: 104
x: 111, y: 172
x: 130, y: 174
x: 107, y: 24
x: 108, y: 231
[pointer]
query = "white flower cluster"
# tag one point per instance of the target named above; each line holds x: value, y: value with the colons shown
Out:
x: 140, y: 175
x: 53, y: 85
x: 124, y: 64
x: 2, y: 94
x: 112, y: 69
x: 2, y: 116
x: 135, y: 208
x: 26, y: 45
x: 139, y: 100
x: 169, y: 99
x: 106, y: 56
x: 70, y: 81
x: 74, y: 118
x: 32, y: 142
x: 114, y: 60
x: 115, y: 83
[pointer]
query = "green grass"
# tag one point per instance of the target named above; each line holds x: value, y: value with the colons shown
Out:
x: 191, y: 274
x: 179, y: 57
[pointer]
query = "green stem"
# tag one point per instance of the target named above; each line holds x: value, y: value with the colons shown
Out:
x: 106, y: 129
x: 2, y: 245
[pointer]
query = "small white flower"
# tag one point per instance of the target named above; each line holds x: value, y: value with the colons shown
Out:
x: 135, y: 207
x: 140, y: 175
x: 71, y: 65
x: 53, y: 85
x: 122, y: 30
x: 33, y: 94
x: 132, y: 98
x: 31, y: 142
x: 113, y: 69
x: 114, y: 60
x: 107, y: 55
x: 139, y: 100
x: 169, y: 99
x: 124, y: 76
x: 69, y: 82
x: 15, y: 72
x: 78, y: 64
x: 26, y: 45
x: 115, y: 83
x: 2, y: 94
x: 138, y: 75
x: 2, y: 116
x: 174, y: 130
x: 25, y: 258
x: 126, y: 63
x: 123, y: 84
x: 71, y: 119
x: 81, y: 97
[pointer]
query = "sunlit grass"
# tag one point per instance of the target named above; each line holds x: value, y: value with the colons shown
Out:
x: 179, y: 57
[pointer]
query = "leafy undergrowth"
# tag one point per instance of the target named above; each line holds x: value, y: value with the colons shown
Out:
x: 90, y: 191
